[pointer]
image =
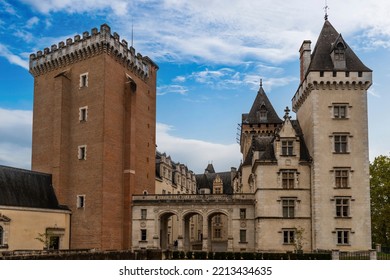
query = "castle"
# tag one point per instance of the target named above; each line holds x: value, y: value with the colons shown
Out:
x: 303, y: 184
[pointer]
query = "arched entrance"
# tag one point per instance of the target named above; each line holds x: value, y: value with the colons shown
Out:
x: 192, y: 231
x: 169, y: 234
x: 218, y: 231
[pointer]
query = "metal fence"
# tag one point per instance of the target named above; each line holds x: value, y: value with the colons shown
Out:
x: 363, y: 255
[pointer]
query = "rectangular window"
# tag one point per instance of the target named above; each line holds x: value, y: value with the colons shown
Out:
x: 243, y: 235
x: 339, y: 111
x: 82, y: 152
x: 217, y: 190
x: 242, y: 213
x: 217, y: 219
x: 144, y: 213
x: 84, y: 80
x: 288, y: 179
x: 342, y: 207
x: 342, y: 237
x: 81, y: 201
x: 83, y: 112
x: 143, y: 234
x: 288, y: 206
x: 217, y: 233
x: 287, y: 148
x: 340, y: 143
x: 341, y: 178
x: 289, y: 236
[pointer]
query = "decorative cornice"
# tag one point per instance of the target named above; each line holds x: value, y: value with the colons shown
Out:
x: 87, y: 46
x: 315, y: 82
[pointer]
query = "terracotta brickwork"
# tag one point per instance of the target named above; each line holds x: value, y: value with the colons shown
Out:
x: 101, y: 156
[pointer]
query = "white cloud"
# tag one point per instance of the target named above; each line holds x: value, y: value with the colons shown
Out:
x: 15, y: 140
x: 8, y: 8
x: 179, y: 79
x: 175, y: 89
x: 12, y: 58
x: 196, y: 154
x: 32, y: 22
x: 119, y: 7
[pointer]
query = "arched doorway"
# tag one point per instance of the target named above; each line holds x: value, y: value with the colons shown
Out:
x: 192, y: 231
x: 169, y: 233
x: 218, y: 231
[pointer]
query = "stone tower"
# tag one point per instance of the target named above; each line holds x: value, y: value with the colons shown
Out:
x: 261, y: 122
x: 94, y: 131
x: 331, y: 107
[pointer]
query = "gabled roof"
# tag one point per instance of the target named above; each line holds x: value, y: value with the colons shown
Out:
x: 261, y: 102
x: 205, y: 181
x: 321, y: 57
x: 265, y: 146
x: 25, y: 188
x: 209, y: 168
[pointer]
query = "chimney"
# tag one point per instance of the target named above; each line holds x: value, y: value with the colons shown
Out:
x: 305, y: 53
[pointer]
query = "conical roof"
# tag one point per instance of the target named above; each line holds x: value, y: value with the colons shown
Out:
x: 321, y: 59
x: 262, y: 111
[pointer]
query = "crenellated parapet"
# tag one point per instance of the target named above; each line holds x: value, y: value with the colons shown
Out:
x: 330, y: 81
x: 88, y: 45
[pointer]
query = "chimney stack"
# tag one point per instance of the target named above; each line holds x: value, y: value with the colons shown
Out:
x: 305, y: 56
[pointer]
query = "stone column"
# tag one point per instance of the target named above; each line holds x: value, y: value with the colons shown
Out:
x: 373, y: 254
x: 335, y: 254
x: 205, y: 234
x: 230, y: 231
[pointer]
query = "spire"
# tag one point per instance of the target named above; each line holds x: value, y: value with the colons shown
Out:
x: 262, y: 110
x: 286, y: 113
x: 326, y: 8
x: 321, y: 59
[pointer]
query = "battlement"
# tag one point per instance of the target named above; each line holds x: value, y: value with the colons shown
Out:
x: 87, y: 45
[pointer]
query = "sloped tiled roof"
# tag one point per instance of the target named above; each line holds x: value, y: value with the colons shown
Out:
x: 265, y: 146
x: 25, y: 188
x: 205, y: 181
x: 261, y: 100
x: 304, y: 152
x: 321, y: 57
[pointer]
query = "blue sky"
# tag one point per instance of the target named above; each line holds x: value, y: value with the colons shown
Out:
x: 211, y: 55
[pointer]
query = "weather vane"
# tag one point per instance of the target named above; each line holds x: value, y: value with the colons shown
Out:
x: 326, y: 8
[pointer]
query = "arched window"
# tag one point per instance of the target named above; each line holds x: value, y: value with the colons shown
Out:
x: 339, y: 51
x: 1, y: 235
x: 262, y: 113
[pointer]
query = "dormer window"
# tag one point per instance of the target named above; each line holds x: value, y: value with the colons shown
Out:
x: 339, y: 52
x: 287, y: 147
x: 262, y: 113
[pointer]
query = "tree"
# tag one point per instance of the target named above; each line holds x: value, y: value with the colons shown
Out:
x: 380, y: 200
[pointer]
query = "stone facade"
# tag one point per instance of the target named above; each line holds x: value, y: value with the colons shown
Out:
x: 29, y: 210
x: 94, y: 131
x: 303, y: 184
x: 331, y: 106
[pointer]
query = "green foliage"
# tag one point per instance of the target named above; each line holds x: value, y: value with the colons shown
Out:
x: 380, y: 200
x: 175, y: 255
x: 189, y: 255
x: 44, y: 238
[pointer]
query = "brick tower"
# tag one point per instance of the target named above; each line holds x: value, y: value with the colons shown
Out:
x: 94, y: 130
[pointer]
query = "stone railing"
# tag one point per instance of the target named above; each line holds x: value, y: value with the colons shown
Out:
x: 193, y: 198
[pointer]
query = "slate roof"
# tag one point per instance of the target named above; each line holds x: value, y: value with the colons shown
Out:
x: 205, y: 181
x: 304, y: 154
x: 321, y: 59
x: 265, y: 146
x: 253, y: 116
x: 25, y: 188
